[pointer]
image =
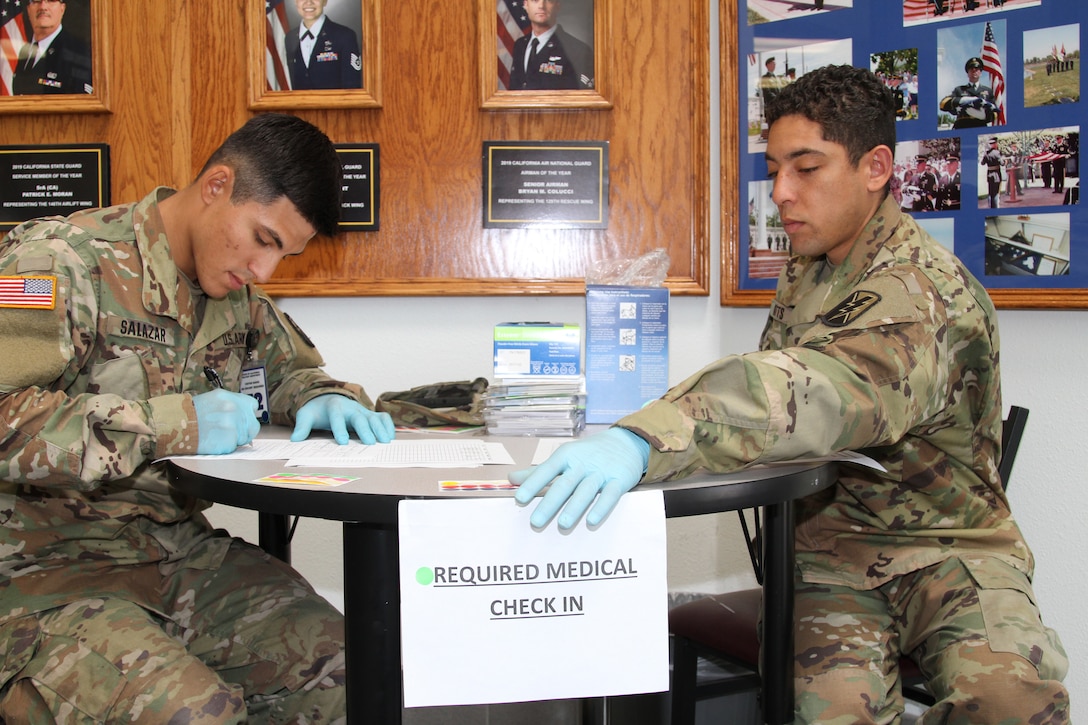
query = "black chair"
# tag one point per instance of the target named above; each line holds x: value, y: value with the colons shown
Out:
x: 723, y: 628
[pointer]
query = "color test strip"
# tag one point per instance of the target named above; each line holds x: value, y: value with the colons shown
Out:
x: 476, y: 485
x: 310, y: 479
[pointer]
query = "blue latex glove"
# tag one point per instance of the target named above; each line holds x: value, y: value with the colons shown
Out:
x: 603, y: 466
x: 335, y: 413
x: 224, y: 420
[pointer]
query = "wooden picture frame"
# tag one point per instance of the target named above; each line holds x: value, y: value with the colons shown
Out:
x: 266, y: 33
x: 873, y: 32
x: 499, y: 24
x: 91, y: 24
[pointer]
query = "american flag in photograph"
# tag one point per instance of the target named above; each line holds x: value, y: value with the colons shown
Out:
x: 916, y: 10
x: 512, y: 24
x: 1044, y: 156
x: 37, y: 293
x: 275, y: 55
x: 12, y: 39
x: 991, y: 63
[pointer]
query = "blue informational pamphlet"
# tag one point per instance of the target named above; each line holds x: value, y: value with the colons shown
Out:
x: 627, y: 349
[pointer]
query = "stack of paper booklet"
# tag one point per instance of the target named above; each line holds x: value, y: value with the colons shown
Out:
x: 554, y: 405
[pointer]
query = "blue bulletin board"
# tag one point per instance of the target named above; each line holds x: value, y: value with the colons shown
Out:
x: 1023, y: 234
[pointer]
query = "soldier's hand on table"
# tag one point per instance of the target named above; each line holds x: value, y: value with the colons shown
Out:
x: 224, y: 420
x: 338, y: 413
x: 603, y: 466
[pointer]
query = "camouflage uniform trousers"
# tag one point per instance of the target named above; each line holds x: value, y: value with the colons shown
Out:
x: 248, y: 642
x: 973, y: 627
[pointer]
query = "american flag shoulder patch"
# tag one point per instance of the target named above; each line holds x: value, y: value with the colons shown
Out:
x: 31, y: 293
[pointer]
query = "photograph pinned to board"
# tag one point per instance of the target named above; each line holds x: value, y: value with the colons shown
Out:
x: 775, y: 64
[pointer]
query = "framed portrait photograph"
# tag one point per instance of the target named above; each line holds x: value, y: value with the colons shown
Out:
x: 544, y: 53
x: 314, y: 54
x: 53, y: 56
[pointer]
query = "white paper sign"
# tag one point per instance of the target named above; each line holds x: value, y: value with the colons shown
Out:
x: 493, y: 611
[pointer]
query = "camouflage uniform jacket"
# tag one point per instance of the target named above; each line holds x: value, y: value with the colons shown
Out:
x: 894, y: 353
x: 94, y: 391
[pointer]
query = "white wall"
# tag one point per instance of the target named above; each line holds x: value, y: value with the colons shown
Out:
x: 397, y: 343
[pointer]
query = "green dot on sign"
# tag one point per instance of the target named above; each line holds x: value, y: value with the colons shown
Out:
x: 425, y: 575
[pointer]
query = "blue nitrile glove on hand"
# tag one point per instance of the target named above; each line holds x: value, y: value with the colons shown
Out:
x: 335, y: 413
x: 224, y: 420
x: 603, y: 466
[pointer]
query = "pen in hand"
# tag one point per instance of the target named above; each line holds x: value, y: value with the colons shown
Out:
x: 213, y: 377
x: 225, y: 420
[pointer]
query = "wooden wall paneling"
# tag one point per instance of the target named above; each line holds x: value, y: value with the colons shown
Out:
x: 181, y: 52
x: 178, y: 87
x: 148, y: 130
x: 215, y: 91
x: 430, y: 129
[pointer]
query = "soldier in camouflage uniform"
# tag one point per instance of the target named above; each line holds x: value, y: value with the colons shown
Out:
x: 118, y: 601
x: 878, y: 340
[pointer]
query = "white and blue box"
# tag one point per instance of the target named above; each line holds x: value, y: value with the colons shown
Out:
x: 537, y: 349
x: 627, y: 349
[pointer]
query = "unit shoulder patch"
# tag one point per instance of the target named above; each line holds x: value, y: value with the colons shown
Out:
x: 850, y: 308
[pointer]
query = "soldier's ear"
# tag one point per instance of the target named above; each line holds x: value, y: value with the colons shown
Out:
x: 881, y: 164
x: 216, y: 183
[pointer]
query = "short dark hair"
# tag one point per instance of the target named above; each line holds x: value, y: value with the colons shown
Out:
x: 279, y: 155
x: 851, y: 105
